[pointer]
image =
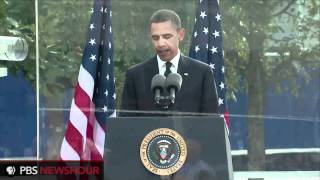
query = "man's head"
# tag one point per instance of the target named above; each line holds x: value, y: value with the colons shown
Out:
x: 166, y: 33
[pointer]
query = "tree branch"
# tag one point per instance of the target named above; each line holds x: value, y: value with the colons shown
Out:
x: 292, y: 15
x: 243, y: 31
x: 284, y: 9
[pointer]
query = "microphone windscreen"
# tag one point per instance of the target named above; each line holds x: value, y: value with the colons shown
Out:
x: 158, y: 81
x: 174, y: 80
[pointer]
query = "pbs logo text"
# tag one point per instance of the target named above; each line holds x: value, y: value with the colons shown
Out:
x: 22, y: 170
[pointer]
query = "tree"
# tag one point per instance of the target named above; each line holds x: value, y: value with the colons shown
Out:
x: 15, y: 23
x: 62, y: 33
x: 250, y: 31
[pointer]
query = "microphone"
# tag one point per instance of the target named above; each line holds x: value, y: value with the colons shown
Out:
x: 173, y: 85
x: 157, y: 86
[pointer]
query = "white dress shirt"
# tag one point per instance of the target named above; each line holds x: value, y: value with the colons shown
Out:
x: 174, y: 62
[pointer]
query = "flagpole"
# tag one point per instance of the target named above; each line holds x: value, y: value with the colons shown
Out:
x: 37, y: 78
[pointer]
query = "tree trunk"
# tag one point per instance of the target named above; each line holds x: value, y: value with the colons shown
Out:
x: 256, y: 89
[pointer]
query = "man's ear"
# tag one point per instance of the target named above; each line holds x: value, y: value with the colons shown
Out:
x: 181, y: 33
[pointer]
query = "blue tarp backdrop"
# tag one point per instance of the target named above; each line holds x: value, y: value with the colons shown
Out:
x: 17, y: 117
x: 290, y: 122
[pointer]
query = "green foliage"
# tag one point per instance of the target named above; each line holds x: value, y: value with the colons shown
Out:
x: 2, y: 12
x: 63, y: 27
x: 251, y: 28
x: 62, y: 33
x: 289, y: 28
x: 17, y: 19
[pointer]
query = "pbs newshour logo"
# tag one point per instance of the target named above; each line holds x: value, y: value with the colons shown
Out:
x: 11, y: 170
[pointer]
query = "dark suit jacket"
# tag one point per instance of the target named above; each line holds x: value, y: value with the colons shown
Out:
x: 197, y: 94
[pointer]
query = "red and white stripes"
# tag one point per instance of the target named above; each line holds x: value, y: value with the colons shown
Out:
x: 84, y: 137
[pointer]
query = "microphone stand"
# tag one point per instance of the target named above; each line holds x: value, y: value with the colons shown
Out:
x: 173, y: 84
x: 164, y: 102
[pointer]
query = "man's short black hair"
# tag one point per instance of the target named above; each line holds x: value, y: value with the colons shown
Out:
x: 164, y: 15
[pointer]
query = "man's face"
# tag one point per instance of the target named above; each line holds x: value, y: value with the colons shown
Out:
x: 165, y: 38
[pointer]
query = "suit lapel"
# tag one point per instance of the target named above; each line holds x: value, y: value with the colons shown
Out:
x: 150, y: 70
x: 152, y: 67
x: 183, y: 66
x: 183, y: 70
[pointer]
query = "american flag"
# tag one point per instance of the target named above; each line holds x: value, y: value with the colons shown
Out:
x: 206, y: 46
x: 94, y: 98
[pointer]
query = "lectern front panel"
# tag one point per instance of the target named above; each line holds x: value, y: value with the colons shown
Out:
x: 208, y: 149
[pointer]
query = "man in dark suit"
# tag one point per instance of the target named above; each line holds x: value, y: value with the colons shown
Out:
x: 198, y: 90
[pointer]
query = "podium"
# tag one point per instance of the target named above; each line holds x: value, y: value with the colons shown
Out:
x: 208, y: 147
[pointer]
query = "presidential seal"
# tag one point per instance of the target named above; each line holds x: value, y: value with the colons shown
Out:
x: 163, y: 151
